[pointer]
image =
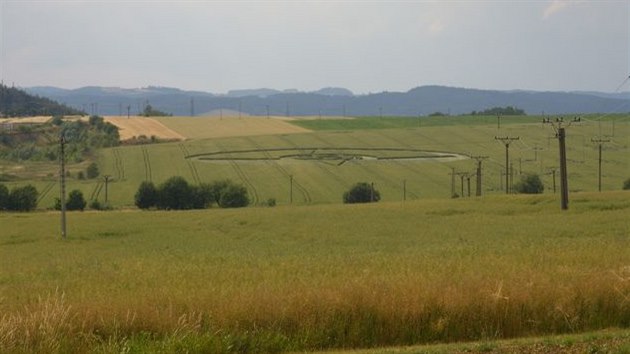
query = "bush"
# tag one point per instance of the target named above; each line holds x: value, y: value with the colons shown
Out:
x: 202, y: 196
x: 146, y: 197
x: 75, y: 201
x: 23, y: 198
x: 4, y: 197
x: 96, y: 205
x: 361, y: 193
x: 92, y: 171
x: 233, y: 196
x: 175, y: 193
x: 626, y: 184
x: 530, y: 184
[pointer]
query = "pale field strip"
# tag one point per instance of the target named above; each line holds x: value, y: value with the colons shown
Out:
x: 230, y: 126
x: 36, y: 119
x: 136, y: 126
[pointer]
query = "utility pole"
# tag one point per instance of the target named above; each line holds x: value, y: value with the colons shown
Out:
x: 561, y: 135
x: 404, y: 190
x: 128, y: 111
x: 553, y: 176
x: 468, y: 183
x: 463, y: 175
x: 106, y: 178
x: 344, y: 109
x: 62, y: 177
x: 372, y: 192
x: 240, y: 108
x: 287, y: 111
x: 506, y: 140
x: 479, y: 159
x: 600, y: 142
x: 380, y: 112
x: 192, y: 107
x: 452, y: 182
x: 498, y: 122
x: 290, y: 189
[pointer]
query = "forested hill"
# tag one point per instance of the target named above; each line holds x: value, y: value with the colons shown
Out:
x: 424, y: 100
x: 17, y: 103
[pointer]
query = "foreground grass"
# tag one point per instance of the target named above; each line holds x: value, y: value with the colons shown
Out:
x: 312, y: 278
x: 607, y: 341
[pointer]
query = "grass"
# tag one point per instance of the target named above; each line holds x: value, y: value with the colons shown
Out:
x: 324, y: 181
x: 317, y: 277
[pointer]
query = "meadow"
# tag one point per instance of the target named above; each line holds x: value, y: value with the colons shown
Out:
x: 265, y: 164
x: 314, y: 277
x: 312, y: 274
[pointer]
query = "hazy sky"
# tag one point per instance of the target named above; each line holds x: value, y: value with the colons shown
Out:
x: 365, y: 46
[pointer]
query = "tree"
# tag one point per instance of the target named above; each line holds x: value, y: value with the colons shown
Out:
x: 530, y: 184
x: 92, y: 170
x: 147, y: 195
x: 75, y: 201
x: 175, y: 193
x: 233, y: 196
x: 361, y: 193
x: 23, y: 198
x: 202, y: 196
x: 4, y: 197
x: 626, y: 184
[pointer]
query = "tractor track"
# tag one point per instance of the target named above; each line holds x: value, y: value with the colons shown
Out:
x: 147, y: 164
x: 96, y: 190
x: 305, y: 194
x: 45, y: 191
x: 191, y: 165
x: 244, y: 178
x: 118, y: 165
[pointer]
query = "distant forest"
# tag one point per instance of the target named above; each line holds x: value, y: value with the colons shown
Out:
x: 17, y: 103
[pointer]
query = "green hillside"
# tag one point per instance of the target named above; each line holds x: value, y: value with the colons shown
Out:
x: 17, y: 103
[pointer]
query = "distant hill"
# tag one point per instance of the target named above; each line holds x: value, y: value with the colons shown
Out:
x: 17, y: 103
x: 422, y: 100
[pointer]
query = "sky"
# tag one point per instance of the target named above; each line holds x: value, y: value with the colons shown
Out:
x: 364, y: 46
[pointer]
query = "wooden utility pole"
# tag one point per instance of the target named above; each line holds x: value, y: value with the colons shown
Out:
x: 106, y: 178
x: 600, y: 142
x: 506, y: 140
x: 479, y: 160
x: 62, y: 178
x: 564, y: 185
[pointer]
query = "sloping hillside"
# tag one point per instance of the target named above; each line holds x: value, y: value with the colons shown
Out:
x: 17, y: 103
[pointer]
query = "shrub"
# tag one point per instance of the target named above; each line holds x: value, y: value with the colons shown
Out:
x: 626, y: 184
x: 146, y: 197
x: 4, y: 196
x: 23, y: 198
x: 530, y: 184
x: 96, y: 205
x: 75, y: 201
x: 202, y: 196
x: 361, y: 192
x: 175, y: 193
x: 80, y: 175
x: 233, y: 196
x: 92, y: 170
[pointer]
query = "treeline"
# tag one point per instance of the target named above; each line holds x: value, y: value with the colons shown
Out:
x: 17, y: 103
x: 177, y: 194
x: 500, y: 111
x: 19, y: 198
x: 41, y: 142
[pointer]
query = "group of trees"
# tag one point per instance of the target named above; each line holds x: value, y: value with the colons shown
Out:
x: 19, y: 198
x: 41, y: 142
x: 500, y: 111
x: 176, y: 193
x: 17, y: 103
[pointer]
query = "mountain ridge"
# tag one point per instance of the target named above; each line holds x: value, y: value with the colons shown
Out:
x: 421, y: 100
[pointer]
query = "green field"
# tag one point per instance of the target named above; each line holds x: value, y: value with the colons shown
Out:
x: 264, y: 163
x: 315, y: 277
x: 312, y: 274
